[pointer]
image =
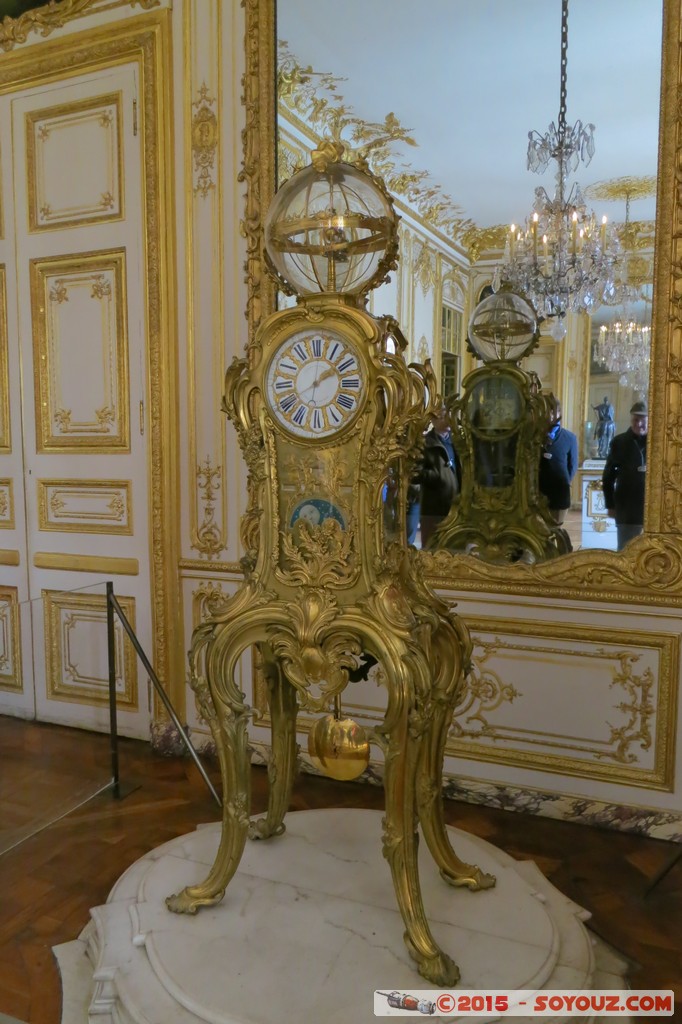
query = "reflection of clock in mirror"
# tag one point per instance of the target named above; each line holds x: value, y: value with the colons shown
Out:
x: 494, y: 406
x: 315, y: 383
x: 315, y: 511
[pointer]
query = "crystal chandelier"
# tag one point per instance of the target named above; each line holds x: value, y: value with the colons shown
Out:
x: 624, y: 347
x: 563, y: 261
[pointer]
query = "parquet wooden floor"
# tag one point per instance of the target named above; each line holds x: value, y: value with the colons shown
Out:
x: 49, y: 882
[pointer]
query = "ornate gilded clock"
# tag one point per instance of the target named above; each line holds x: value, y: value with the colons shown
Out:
x: 330, y: 420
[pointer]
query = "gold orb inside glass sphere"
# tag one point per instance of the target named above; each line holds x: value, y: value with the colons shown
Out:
x: 332, y: 228
x: 339, y: 747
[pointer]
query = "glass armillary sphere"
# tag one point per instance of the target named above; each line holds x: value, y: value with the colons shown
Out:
x: 330, y: 419
x: 331, y: 229
x: 562, y: 260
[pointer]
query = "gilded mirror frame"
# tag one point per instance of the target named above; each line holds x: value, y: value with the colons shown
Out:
x: 649, y: 570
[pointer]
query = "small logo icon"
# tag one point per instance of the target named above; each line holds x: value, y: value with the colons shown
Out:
x: 404, y: 1001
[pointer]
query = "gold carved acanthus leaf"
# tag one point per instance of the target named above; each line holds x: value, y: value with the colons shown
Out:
x: 318, y: 554
x: 316, y: 655
x: 483, y: 240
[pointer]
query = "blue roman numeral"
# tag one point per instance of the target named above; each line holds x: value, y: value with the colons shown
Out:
x: 346, y: 364
x: 299, y: 415
x: 317, y: 347
x: 345, y: 401
x: 351, y: 382
x: 288, y: 402
x: 300, y: 351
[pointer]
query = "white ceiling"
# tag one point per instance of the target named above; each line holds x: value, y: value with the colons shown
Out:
x: 472, y: 77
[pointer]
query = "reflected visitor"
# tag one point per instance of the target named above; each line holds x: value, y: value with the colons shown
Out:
x: 605, y: 427
x: 438, y: 478
x: 558, y: 466
x: 624, y: 476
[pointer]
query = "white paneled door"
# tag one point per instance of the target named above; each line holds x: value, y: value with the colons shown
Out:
x: 73, y: 258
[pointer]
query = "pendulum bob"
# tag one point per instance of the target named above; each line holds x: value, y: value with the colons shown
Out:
x: 339, y: 747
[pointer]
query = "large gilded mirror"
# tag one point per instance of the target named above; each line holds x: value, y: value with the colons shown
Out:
x: 444, y: 105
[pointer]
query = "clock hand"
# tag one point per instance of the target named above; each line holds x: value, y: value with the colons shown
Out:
x: 329, y: 372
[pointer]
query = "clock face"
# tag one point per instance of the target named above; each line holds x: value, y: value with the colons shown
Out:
x: 315, y: 383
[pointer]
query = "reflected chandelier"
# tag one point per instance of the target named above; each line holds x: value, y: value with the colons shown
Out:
x: 562, y: 261
x: 624, y: 347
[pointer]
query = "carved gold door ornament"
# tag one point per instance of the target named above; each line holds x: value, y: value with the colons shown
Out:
x: 330, y: 420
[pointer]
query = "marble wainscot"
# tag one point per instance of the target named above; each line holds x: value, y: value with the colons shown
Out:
x: 309, y: 928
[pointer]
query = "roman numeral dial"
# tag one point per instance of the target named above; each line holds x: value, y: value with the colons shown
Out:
x: 315, y: 383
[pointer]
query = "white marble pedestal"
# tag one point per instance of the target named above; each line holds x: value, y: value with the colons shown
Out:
x: 309, y: 928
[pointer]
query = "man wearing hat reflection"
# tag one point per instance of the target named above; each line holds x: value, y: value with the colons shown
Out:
x: 624, y: 477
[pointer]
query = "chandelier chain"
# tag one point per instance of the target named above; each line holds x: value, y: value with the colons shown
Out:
x: 563, y: 89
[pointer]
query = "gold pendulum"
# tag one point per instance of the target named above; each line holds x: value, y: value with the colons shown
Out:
x: 339, y: 746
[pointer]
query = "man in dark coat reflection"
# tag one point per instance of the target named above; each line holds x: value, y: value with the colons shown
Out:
x: 558, y: 466
x: 624, y: 477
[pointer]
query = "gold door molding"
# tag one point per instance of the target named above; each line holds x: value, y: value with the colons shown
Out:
x: 76, y: 650
x: 78, y: 310
x: 58, y: 200
x: 5, y: 430
x: 144, y: 40
x: 11, y: 678
x: 84, y: 506
x: 6, y: 505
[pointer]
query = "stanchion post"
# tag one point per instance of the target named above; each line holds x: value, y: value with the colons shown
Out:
x: 111, y: 652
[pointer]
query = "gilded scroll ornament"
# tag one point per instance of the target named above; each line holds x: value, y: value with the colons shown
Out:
x: 209, y: 539
x: 45, y: 19
x: 638, y: 706
x: 204, y: 141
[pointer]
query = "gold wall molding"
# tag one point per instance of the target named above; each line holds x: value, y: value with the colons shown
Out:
x: 644, y: 703
x: 145, y: 41
x: 5, y: 423
x: 424, y: 268
x: 94, y: 286
x: 204, y: 260
x: 87, y: 202
x: 9, y: 557
x: 204, y: 140
x: 44, y: 20
x: 6, y: 504
x: 189, y: 565
x: 76, y: 650
x: 103, y: 564
x: 85, y: 506
x: 11, y: 678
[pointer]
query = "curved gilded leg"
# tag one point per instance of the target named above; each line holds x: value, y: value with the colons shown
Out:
x: 400, y: 841
x: 283, y: 756
x: 447, y: 646
x: 222, y: 705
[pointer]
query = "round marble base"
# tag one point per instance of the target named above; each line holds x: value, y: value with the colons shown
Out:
x: 309, y: 928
